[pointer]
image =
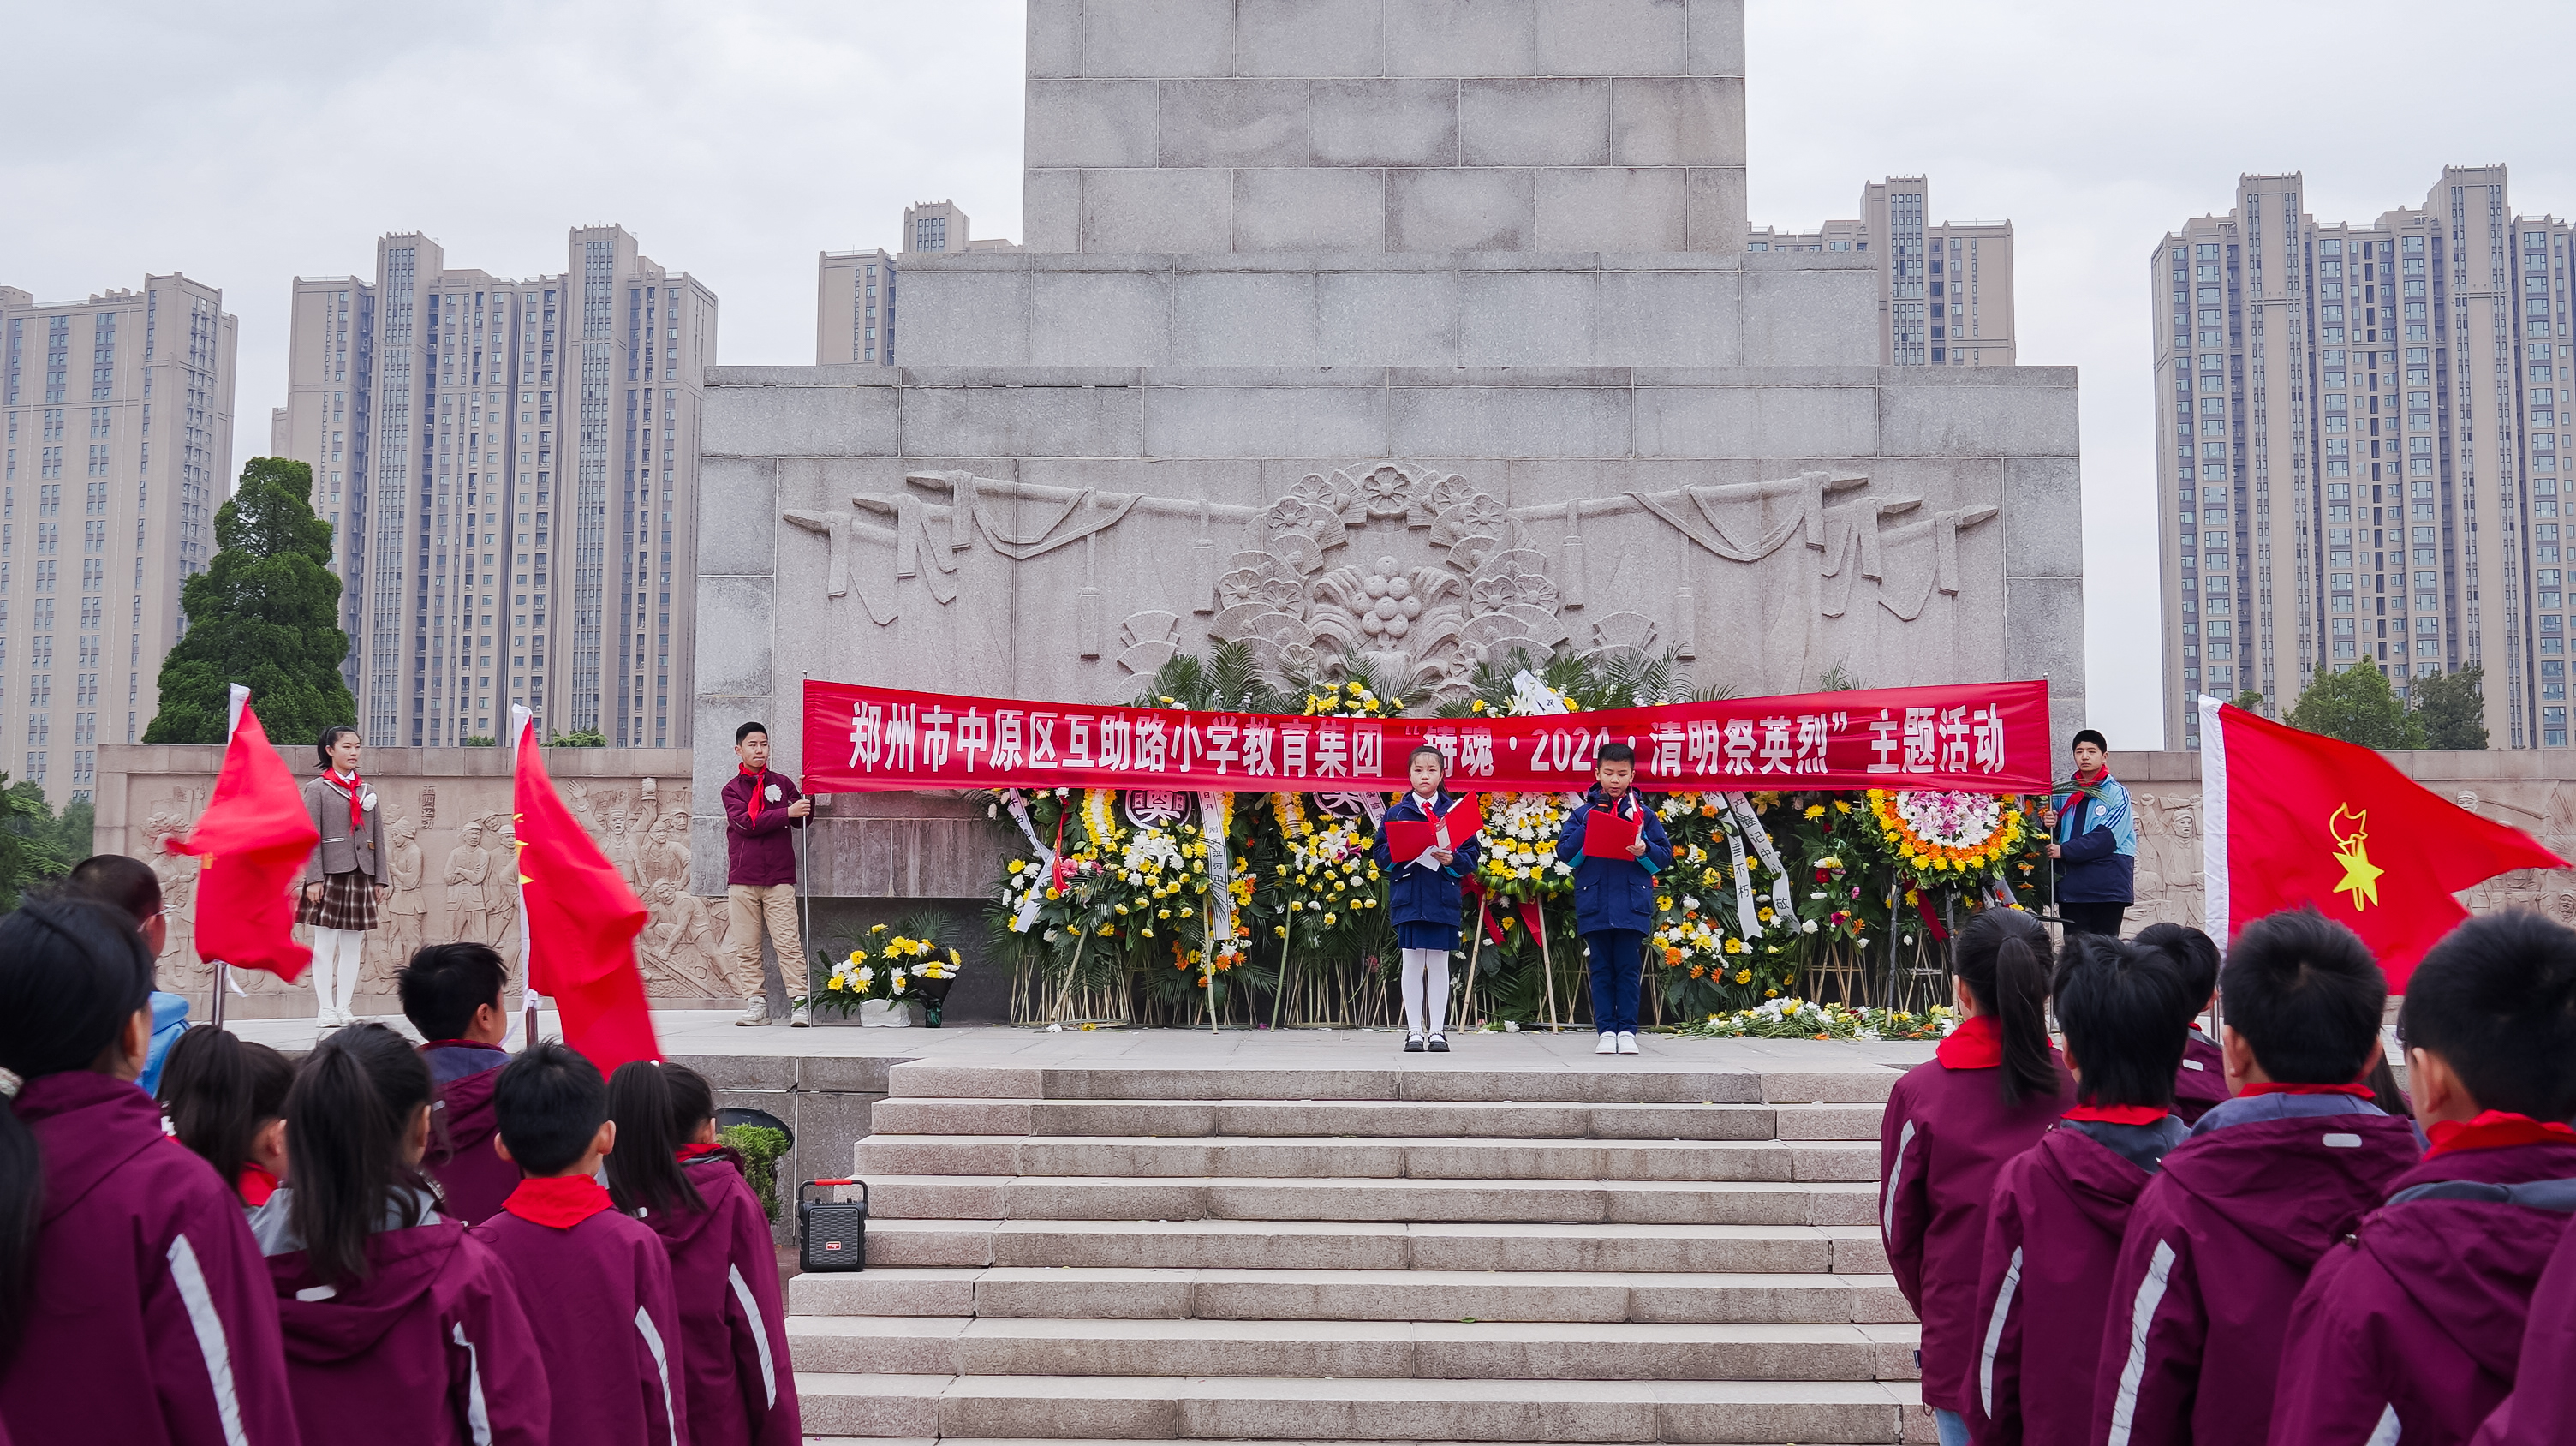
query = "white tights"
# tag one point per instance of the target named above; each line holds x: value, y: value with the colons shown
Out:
x: 335, y: 970
x: 1426, y: 973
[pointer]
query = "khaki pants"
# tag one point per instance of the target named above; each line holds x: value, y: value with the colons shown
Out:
x: 752, y: 906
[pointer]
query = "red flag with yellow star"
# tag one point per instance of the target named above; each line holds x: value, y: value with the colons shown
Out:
x: 582, y: 920
x: 2296, y: 819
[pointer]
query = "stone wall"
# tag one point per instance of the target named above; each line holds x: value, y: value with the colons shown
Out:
x: 2533, y: 790
x: 447, y: 839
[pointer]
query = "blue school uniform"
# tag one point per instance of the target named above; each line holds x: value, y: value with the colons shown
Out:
x: 1425, y: 899
x: 1614, y: 907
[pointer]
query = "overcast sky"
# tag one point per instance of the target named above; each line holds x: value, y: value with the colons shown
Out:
x: 247, y: 143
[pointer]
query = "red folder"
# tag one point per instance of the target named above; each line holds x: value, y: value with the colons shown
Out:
x: 1407, y: 841
x: 1608, y: 836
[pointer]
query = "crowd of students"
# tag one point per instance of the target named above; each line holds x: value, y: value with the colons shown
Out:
x: 2149, y: 1236
x: 379, y: 1242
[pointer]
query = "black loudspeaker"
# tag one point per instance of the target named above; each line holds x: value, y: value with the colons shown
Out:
x: 832, y: 1234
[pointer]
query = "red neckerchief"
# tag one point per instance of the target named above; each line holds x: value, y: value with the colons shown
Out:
x: 755, y: 775
x: 1978, y: 1043
x: 2494, y: 1130
x: 457, y: 1044
x: 561, y: 1202
x: 687, y: 1153
x: 356, y: 786
x: 2268, y: 1087
x: 255, y: 1184
x: 2117, y: 1114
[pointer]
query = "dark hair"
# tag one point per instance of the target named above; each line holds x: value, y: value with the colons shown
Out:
x: 2385, y: 1093
x: 1421, y: 748
x: 2306, y: 995
x: 656, y: 1107
x: 747, y: 730
x: 331, y: 735
x: 2121, y: 1005
x: 1614, y: 753
x: 549, y: 1102
x: 444, y: 984
x: 218, y: 1089
x: 2496, y: 999
x: 348, y: 1122
x: 116, y: 880
x: 2195, y: 960
x: 72, y: 974
x: 2003, y: 955
x: 2092, y: 736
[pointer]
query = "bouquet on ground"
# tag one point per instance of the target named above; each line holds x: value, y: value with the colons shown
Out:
x: 888, y: 963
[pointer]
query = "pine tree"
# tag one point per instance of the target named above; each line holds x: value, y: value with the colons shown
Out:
x: 265, y: 612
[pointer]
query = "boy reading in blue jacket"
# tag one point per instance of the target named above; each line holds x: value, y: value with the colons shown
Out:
x: 1614, y: 897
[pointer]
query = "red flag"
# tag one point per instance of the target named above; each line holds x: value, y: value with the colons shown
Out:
x: 2297, y: 819
x: 253, y: 843
x: 581, y: 920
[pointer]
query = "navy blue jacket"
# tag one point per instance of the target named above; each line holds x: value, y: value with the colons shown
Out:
x: 1419, y: 893
x: 1613, y: 893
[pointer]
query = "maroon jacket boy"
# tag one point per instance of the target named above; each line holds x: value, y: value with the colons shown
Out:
x: 2053, y: 1224
x: 595, y: 1283
x: 2544, y: 1383
x: 762, y: 811
x: 451, y: 993
x: 2220, y: 1242
x: 2200, y: 1081
x: 2412, y: 1329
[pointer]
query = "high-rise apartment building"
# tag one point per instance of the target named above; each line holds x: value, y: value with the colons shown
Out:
x: 118, y: 418
x: 939, y: 226
x: 510, y: 467
x: 1945, y: 289
x: 854, y: 308
x: 2361, y: 430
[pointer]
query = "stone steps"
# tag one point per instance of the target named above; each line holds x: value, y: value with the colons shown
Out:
x: 1390, y: 1158
x: 1070, y: 1293
x: 1305, y: 1409
x: 1443, y: 1119
x: 1426, y: 1252
x: 1390, y: 1245
x: 1063, y: 1197
x: 1340, y: 1349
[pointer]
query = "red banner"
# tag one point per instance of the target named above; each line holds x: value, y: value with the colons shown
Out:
x: 1970, y: 737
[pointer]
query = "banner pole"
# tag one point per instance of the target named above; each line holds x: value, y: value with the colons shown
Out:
x: 1279, y: 997
x: 1547, y: 966
x: 1475, y: 950
x: 522, y: 721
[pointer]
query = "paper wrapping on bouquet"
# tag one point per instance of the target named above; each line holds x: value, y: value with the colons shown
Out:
x: 1969, y: 737
x: 1741, y: 805
x: 2296, y: 819
x: 1220, y: 865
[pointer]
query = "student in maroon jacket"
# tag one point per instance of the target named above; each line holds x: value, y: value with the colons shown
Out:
x: 401, y: 1329
x: 2220, y: 1241
x: 133, y: 1307
x: 762, y: 812
x: 225, y: 1098
x: 596, y: 1284
x: 2544, y: 1383
x: 2200, y: 1081
x: 451, y: 993
x: 2411, y: 1329
x: 1993, y: 1088
x: 2053, y: 1224
x: 670, y: 1172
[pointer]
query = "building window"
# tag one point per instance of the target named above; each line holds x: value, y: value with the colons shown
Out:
x: 930, y: 233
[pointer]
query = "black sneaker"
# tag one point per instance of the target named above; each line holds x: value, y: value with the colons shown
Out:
x: 1413, y: 1044
x: 1439, y: 1044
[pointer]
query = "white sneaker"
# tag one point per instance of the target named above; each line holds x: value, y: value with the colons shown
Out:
x: 1627, y: 1043
x: 801, y: 1019
x: 754, y: 1013
x: 1609, y: 1045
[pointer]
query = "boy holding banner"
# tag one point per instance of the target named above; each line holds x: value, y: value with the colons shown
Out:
x: 1622, y: 847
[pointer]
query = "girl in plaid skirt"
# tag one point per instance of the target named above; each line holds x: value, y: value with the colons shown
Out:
x: 344, y: 880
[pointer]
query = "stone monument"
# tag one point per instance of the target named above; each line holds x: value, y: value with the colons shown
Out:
x: 1420, y: 330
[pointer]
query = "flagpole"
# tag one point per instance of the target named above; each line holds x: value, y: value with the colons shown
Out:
x: 521, y: 720
x: 804, y: 880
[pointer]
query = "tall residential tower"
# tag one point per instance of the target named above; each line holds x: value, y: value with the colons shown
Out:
x: 510, y: 466
x: 118, y: 417
x: 2362, y: 425
x: 1945, y: 289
